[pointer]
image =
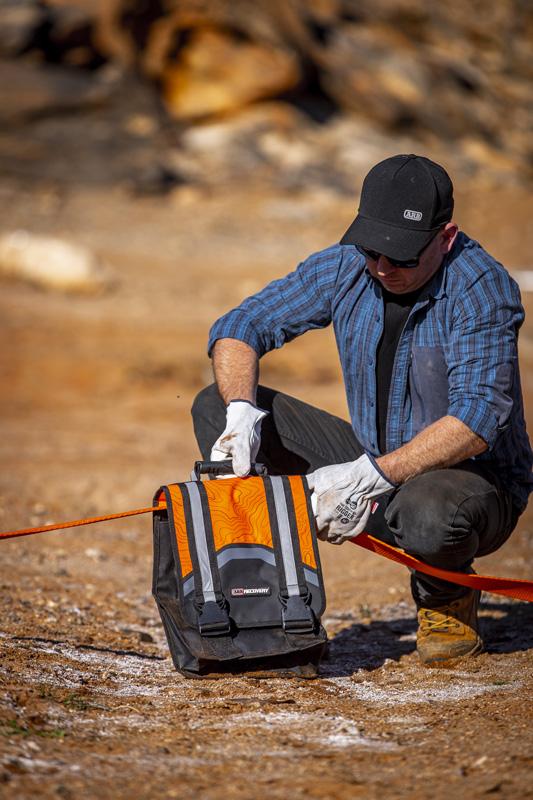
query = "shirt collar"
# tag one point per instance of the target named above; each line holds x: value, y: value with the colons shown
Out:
x: 436, y: 287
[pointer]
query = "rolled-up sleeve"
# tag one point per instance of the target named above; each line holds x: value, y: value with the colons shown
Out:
x: 482, y: 355
x: 285, y: 308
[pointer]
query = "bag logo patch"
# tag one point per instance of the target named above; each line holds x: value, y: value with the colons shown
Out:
x: 250, y: 590
x: 414, y: 215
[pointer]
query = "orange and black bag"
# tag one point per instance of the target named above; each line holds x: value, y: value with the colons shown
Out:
x: 237, y: 575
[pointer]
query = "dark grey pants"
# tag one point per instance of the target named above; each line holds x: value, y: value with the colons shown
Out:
x: 446, y: 517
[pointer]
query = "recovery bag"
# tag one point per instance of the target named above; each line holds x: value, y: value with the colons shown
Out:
x: 237, y: 576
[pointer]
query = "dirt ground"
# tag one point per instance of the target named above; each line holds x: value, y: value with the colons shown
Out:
x: 95, y: 416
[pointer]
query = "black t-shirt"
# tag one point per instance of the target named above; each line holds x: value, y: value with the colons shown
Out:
x: 396, y: 311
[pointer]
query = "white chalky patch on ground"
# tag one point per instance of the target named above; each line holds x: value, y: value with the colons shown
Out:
x: 22, y: 764
x: 57, y: 767
x: 133, y: 676
x: 320, y: 729
x: 408, y: 724
x: 107, y: 724
x: 368, y: 692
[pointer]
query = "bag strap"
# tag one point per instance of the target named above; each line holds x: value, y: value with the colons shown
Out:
x: 296, y: 613
x: 213, y: 619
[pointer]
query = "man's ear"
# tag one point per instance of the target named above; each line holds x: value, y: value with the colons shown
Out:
x: 449, y: 235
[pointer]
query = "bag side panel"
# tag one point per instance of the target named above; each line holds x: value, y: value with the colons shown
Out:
x: 165, y: 578
x: 181, y: 654
x: 165, y: 590
x: 178, y: 614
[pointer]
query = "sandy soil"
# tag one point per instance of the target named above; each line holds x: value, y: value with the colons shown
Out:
x: 95, y: 416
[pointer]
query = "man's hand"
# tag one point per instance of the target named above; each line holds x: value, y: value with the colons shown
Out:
x: 342, y: 497
x: 241, y: 437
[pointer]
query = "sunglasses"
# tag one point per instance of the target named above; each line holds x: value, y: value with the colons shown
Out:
x: 409, y: 263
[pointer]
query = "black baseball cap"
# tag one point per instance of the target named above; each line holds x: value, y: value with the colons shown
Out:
x: 404, y: 201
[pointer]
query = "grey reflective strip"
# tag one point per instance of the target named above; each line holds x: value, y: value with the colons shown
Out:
x: 246, y: 552
x: 287, y: 552
x: 231, y: 553
x: 311, y: 577
x: 201, y: 542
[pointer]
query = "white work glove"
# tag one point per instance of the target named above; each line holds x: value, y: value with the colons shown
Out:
x: 241, y: 437
x: 342, y: 497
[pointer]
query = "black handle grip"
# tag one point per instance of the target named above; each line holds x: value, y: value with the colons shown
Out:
x: 224, y: 468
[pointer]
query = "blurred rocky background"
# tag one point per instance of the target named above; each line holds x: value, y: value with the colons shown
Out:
x: 155, y: 94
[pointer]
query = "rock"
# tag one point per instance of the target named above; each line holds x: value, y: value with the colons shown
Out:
x: 70, y: 36
x: 243, y: 128
x: 485, y: 157
x: 278, y: 143
x: 28, y: 90
x: 95, y: 554
x: 148, y: 34
x: 58, y: 32
x: 141, y: 125
x: 188, y: 195
x: 370, y: 71
x: 19, y: 22
x: 51, y: 263
x: 217, y: 73
x: 155, y: 180
x: 265, y: 135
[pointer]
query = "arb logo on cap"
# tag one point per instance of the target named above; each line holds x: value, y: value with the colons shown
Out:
x: 414, y: 215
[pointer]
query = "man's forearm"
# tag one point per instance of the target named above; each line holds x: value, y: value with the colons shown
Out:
x: 444, y: 443
x: 236, y: 370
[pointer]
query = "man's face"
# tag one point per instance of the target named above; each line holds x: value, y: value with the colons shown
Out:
x: 401, y: 280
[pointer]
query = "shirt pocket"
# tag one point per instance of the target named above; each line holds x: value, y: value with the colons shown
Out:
x: 428, y: 385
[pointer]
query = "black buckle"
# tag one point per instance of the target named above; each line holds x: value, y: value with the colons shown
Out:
x: 297, y: 616
x: 213, y: 620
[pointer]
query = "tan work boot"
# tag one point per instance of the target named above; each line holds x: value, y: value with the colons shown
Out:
x: 449, y: 631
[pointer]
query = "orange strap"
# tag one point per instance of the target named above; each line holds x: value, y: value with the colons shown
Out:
x: 509, y: 587
x: 77, y: 523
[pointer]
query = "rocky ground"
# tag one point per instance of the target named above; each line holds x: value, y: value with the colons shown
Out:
x: 95, y: 416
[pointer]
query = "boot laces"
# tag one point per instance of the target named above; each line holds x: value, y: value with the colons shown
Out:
x: 441, y: 620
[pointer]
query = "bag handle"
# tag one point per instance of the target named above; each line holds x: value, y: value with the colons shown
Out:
x: 215, y: 468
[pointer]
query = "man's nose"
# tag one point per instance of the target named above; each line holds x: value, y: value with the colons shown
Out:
x: 384, y: 266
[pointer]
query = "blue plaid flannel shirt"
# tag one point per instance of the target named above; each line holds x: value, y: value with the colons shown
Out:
x: 457, y: 354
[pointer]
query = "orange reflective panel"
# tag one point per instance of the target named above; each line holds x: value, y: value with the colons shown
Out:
x: 302, y: 520
x: 181, y: 529
x: 239, y: 512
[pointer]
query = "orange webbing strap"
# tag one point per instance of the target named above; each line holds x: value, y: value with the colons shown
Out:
x: 510, y: 587
x: 78, y: 522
